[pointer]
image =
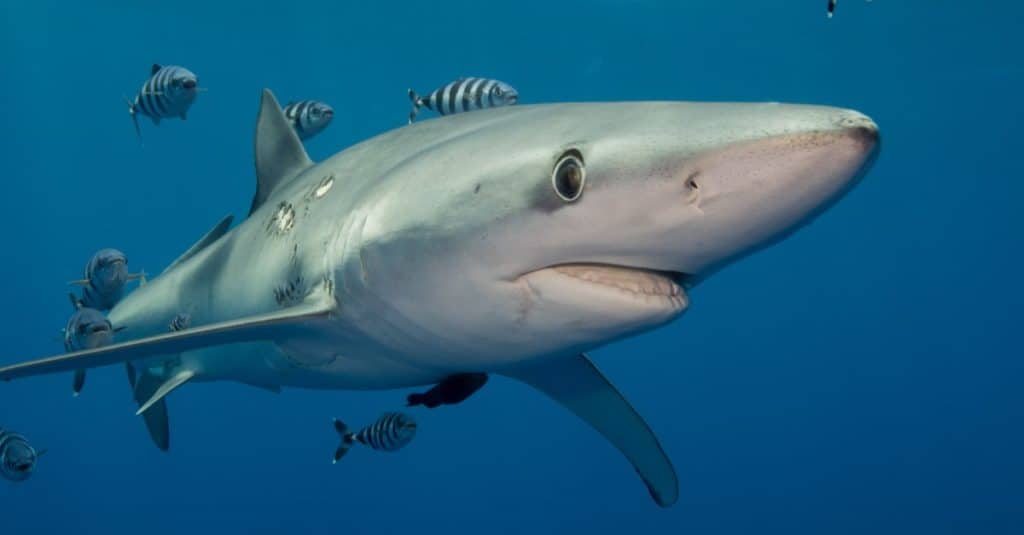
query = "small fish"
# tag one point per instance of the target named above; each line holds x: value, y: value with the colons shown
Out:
x: 169, y: 92
x: 180, y: 322
x: 464, y: 94
x: 17, y: 457
x: 391, y: 432
x: 308, y: 117
x: 832, y: 7
x: 87, y: 328
x: 106, y: 275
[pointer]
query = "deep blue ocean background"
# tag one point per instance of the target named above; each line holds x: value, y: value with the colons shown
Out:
x: 864, y: 376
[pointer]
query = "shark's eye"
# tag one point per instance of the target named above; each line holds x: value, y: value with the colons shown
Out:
x: 569, y: 176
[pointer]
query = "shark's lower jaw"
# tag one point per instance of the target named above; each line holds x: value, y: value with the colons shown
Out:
x: 658, y: 291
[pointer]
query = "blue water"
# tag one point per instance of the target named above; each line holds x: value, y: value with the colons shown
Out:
x: 863, y: 376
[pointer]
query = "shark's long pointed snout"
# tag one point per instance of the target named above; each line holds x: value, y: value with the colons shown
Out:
x: 772, y: 170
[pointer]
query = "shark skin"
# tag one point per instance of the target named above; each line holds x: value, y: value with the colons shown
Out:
x: 442, y: 248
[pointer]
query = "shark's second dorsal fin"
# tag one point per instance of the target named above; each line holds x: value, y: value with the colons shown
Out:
x: 213, y: 235
x: 279, y: 152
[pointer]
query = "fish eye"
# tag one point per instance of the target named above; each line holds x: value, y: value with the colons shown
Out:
x: 569, y: 176
x: 81, y: 329
x: 497, y: 91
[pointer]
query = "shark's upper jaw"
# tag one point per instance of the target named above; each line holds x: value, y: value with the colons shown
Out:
x: 683, y: 213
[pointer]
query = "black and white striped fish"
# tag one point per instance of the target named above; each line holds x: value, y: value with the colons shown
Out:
x: 169, y: 92
x: 180, y: 322
x: 87, y: 328
x: 308, y: 117
x: 106, y: 275
x: 391, y: 432
x: 464, y: 94
x: 17, y: 457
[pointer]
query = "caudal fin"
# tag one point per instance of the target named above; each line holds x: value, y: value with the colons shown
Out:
x: 346, y: 440
x: 416, y: 103
x: 135, y: 118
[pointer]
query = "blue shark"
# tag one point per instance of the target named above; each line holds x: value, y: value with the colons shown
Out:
x: 508, y: 241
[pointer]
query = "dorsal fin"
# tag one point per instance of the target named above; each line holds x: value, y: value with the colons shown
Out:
x: 156, y: 67
x: 279, y: 153
x: 213, y: 235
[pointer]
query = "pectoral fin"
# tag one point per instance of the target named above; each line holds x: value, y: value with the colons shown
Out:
x: 581, y: 388
x: 274, y: 327
x: 156, y: 417
x: 167, y: 387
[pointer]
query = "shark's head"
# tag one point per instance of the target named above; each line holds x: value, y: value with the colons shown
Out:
x: 553, y: 229
x: 17, y: 458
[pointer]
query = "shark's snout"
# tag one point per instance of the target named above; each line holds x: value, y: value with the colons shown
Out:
x: 755, y: 192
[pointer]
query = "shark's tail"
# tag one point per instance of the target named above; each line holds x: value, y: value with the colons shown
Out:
x: 416, y: 103
x: 347, y: 439
x: 135, y: 119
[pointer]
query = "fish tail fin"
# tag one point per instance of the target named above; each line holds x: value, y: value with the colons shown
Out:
x: 135, y: 118
x: 416, y: 103
x: 347, y: 439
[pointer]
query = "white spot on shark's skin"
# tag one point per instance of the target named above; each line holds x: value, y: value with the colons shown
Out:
x: 283, y: 219
x: 323, y: 187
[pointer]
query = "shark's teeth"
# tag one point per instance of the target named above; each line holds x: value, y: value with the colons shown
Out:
x: 633, y: 280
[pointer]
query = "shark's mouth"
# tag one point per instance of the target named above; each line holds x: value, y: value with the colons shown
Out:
x: 648, y: 285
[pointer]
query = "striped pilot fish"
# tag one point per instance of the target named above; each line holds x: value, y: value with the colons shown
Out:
x: 464, y: 94
x: 87, y: 328
x: 106, y: 275
x: 169, y: 92
x: 17, y: 457
x: 308, y: 117
x: 391, y: 432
